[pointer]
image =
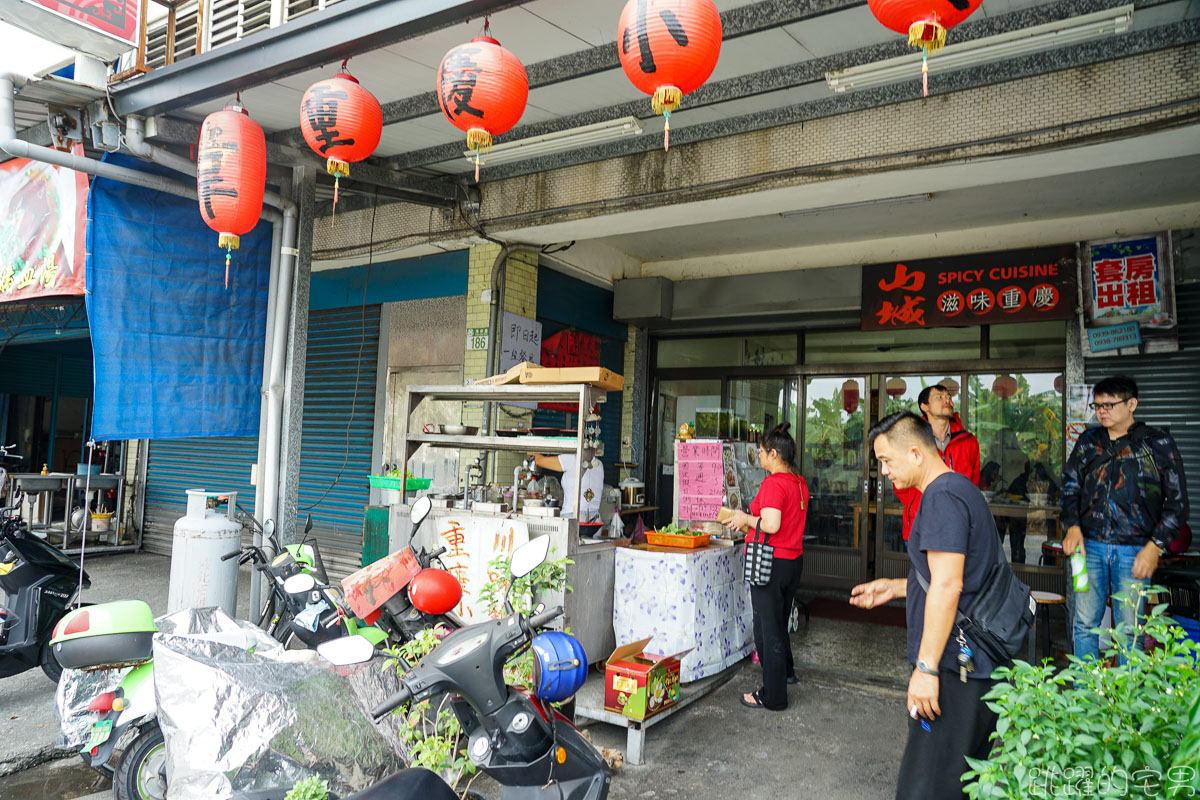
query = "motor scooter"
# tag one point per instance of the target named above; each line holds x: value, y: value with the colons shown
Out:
x: 40, y: 585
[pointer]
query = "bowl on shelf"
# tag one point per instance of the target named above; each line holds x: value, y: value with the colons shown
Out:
x: 459, y: 430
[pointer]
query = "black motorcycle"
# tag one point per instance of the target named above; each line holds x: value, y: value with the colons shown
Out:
x: 40, y: 585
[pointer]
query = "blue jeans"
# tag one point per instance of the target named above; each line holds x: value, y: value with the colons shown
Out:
x: 1110, y: 570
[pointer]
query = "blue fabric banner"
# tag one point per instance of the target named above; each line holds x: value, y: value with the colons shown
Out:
x: 176, y: 353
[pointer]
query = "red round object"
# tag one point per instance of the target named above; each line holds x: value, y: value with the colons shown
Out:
x: 434, y: 591
x: 231, y: 173
x: 669, y: 43
x: 482, y: 89
x: 951, y: 387
x: 902, y: 15
x: 850, y: 396
x: 895, y: 387
x: 1004, y: 386
x: 340, y: 119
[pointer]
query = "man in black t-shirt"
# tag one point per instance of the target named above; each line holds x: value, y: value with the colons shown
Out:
x: 953, y: 545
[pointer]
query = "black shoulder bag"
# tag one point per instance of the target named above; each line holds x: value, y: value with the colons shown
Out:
x: 1000, y: 618
x: 756, y: 566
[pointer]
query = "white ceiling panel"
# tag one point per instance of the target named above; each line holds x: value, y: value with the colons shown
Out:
x: 274, y: 107
x: 584, y: 94
x: 769, y: 100
x: 841, y: 31
x: 387, y: 75
x: 528, y: 36
x: 592, y: 23
x: 757, y: 52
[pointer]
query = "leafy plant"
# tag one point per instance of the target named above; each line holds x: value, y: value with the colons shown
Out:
x: 675, y: 530
x: 1094, y: 731
x: 308, y: 789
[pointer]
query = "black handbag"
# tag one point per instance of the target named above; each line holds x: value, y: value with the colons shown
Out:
x: 756, y: 566
x: 1001, y: 616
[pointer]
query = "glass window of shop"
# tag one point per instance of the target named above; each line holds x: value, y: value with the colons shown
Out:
x: 835, y: 413
x: 728, y: 351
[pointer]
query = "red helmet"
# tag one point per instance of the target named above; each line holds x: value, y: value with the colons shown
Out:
x: 434, y: 591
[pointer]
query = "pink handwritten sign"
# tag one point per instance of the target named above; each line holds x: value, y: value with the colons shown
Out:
x: 701, y: 480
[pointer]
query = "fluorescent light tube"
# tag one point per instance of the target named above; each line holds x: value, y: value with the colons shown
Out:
x: 991, y: 48
x: 559, y: 141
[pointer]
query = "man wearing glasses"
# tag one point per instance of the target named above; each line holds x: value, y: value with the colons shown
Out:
x: 1123, y: 502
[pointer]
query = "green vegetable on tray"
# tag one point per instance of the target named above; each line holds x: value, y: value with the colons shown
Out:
x: 395, y: 473
x: 674, y: 530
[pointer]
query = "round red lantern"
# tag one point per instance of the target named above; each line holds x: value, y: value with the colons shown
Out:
x: 850, y: 396
x: 1004, y: 386
x: 231, y: 175
x: 1059, y: 383
x: 482, y: 89
x: 668, y: 48
x: 896, y: 387
x: 925, y: 22
x: 951, y: 386
x: 434, y: 591
x: 341, y: 121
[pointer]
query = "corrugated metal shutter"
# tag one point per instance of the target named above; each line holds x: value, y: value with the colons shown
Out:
x: 339, y: 428
x: 30, y: 370
x: 1167, y: 385
x: 339, y: 424
x: 176, y: 465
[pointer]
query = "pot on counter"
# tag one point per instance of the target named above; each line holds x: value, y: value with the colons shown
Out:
x: 633, y: 493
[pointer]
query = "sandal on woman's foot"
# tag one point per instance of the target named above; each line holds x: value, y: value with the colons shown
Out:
x: 757, y: 703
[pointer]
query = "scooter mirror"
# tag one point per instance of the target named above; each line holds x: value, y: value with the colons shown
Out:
x: 299, y: 584
x: 346, y: 650
x: 529, y: 556
x: 420, y: 510
x: 308, y: 524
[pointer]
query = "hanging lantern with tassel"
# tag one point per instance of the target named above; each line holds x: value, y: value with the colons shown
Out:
x: 668, y: 48
x: 231, y: 175
x: 341, y: 121
x: 1004, y: 386
x: 850, y: 396
x: 925, y: 22
x: 482, y: 89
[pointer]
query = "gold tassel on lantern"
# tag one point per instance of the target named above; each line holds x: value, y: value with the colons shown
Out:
x: 929, y: 36
x: 479, y: 141
x: 665, y: 100
x: 230, y: 242
x: 338, y: 169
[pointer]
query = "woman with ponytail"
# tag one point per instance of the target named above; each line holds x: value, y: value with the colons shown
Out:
x: 777, y: 517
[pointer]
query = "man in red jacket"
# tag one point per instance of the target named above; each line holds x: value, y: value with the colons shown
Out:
x: 959, y: 447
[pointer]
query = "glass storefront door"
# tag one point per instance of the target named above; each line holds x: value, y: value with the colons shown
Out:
x: 836, y: 410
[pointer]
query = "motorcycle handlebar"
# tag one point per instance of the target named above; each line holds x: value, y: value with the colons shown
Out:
x: 546, y: 617
x: 228, y: 556
x: 395, y: 701
x: 437, y: 553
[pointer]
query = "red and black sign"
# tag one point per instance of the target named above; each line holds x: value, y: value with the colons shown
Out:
x: 988, y: 288
x: 118, y: 18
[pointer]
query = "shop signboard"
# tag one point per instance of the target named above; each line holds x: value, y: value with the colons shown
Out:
x: 520, y: 342
x: 102, y: 28
x: 986, y: 288
x: 477, y: 338
x: 471, y: 544
x: 701, y: 471
x: 43, y: 218
x: 1129, y: 282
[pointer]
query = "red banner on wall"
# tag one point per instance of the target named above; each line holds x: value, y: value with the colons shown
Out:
x: 43, y: 218
x: 988, y: 288
x: 116, y: 18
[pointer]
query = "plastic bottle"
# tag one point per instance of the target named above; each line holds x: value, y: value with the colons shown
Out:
x: 1079, y: 571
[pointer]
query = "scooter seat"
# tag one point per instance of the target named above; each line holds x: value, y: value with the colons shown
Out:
x: 414, y: 783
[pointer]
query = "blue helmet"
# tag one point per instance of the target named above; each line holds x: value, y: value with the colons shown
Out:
x: 559, y: 666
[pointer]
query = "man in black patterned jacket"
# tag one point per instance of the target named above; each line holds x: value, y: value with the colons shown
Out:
x: 1123, y: 501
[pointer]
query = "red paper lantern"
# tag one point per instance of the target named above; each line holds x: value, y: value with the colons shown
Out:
x: 231, y: 175
x: 896, y: 387
x: 925, y: 21
x: 341, y: 121
x: 668, y: 48
x: 1004, y: 386
x: 951, y: 387
x: 482, y: 89
x: 850, y: 396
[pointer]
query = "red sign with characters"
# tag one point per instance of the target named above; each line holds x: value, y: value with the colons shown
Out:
x: 990, y: 288
x: 117, y: 18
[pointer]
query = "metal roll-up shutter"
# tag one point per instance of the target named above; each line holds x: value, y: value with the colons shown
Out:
x: 34, y: 370
x: 176, y: 465
x: 339, y: 427
x: 1167, y: 385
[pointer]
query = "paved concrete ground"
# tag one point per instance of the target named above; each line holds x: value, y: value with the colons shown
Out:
x: 28, y: 728
x: 841, y: 737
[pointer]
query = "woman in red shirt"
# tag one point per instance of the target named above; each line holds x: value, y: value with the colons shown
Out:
x: 778, y: 511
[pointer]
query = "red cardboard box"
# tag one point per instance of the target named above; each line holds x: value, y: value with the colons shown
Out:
x: 640, y: 685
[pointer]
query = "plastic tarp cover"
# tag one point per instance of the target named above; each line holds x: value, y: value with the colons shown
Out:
x: 238, y: 721
x: 176, y: 353
x: 77, y: 688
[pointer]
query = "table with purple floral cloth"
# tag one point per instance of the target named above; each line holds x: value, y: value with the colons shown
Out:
x: 685, y: 599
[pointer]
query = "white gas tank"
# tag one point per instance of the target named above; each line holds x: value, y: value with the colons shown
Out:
x: 199, y: 577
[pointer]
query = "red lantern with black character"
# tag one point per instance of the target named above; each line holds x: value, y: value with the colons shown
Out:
x: 231, y: 175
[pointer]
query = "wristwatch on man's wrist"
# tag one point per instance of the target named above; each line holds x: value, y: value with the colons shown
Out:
x: 923, y: 666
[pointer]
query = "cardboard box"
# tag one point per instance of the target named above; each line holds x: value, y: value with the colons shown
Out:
x: 639, y: 685
x: 594, y: 376
x: 512, y: 375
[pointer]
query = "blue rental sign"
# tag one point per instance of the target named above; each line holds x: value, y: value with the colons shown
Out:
x: 1114, y: 337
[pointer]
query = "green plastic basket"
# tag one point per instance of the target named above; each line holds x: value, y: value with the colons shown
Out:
x: 412, y: 484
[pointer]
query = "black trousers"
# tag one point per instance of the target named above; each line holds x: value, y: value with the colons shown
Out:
x: 772, y: 607
x: 935, y: 756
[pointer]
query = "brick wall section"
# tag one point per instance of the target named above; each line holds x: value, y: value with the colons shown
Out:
x: 942, y: 120
x: 520, y: 297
